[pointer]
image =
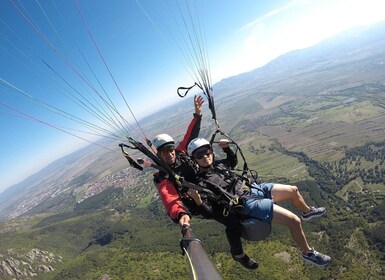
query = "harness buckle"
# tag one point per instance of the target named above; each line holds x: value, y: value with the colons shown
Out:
x: 236, y: 200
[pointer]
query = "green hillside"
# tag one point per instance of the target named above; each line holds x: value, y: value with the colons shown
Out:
x: 124, y: 232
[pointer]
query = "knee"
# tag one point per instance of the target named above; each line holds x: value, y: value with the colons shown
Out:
x: 294, y: 190
x: 294, y: 221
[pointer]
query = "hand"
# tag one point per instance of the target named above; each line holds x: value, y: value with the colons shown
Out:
x: 184, y: 220
x: 195, y: 196
x: 198, y: 102
x: 224, y: 143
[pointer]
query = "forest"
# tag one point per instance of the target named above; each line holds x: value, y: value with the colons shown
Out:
x: 106, y: 235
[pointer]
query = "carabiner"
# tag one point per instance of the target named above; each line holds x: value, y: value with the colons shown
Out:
x: 225, y: 212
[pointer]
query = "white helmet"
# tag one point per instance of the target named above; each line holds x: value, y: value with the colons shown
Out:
x: 162, y: 140
x: 196, y: 144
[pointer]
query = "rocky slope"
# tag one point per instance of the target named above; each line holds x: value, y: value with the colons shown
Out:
x: 15, y: 265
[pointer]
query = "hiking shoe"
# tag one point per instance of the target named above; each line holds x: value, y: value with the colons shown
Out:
x: 316, y: 258
x: 313, y: 213
x: 246, y: 261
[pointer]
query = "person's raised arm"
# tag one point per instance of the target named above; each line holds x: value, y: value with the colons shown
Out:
x: 231, y: 156
x: 198, y: 102
x: 194, y: 126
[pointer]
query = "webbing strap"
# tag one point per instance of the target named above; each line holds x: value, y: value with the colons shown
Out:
x: 226, y: 198
x: 130, y: 160
x: 186, y: 89
x: 159, y: 162
x: 197, y: 187
x: 208, y: 91
x: 245, y: 169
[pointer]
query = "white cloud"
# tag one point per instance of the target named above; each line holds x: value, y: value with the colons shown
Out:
x: 271, y: 14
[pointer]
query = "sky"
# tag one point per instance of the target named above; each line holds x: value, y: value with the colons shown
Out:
x: 72, y: 71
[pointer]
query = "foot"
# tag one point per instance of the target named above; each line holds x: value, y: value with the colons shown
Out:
x: 246, y: 261
x: 316, y: 258
x: 313, y: 213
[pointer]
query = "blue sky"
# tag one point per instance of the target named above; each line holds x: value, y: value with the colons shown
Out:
x: 48, y: 60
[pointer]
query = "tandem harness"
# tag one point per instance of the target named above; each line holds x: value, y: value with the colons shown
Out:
x: 246, y: 169
x: 253, y: 229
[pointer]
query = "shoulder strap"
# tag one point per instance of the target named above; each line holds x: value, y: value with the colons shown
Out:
x: 245, y: 169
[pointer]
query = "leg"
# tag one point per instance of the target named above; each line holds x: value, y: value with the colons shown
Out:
x: 233, y: 233
x: 233, y: 229
x: 285, y: 217
x: 281, y: 192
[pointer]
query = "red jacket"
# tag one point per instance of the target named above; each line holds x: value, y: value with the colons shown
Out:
x: 184, y: 167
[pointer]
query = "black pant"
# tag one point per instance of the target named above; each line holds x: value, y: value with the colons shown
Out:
x: 233, y: 229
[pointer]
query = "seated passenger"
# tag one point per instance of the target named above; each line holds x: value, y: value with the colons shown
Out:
x: 258, y: 200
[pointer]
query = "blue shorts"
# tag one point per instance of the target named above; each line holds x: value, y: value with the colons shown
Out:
x: 259, y: 203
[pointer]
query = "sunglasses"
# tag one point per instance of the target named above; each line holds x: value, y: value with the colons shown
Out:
x: 164, y: 152
x: 200, y: 154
